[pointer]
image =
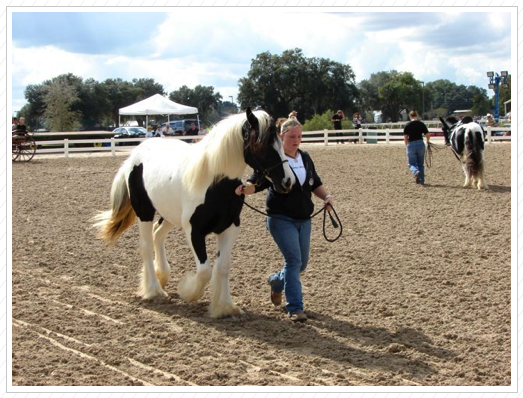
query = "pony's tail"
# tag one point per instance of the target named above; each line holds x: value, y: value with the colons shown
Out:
x: 473, y: 159
x: 111, y: 224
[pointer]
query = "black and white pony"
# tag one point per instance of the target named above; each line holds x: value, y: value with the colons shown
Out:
x: 468, y: 144
x: 192, y: 186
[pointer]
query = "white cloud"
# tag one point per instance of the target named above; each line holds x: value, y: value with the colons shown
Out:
x: 33, y: 65
x: 219, y: 33
x: 215, y: 46
x: 498, y: 21
x: 171, y: 72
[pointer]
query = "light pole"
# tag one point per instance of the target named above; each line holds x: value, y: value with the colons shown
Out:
x: 494, y: 81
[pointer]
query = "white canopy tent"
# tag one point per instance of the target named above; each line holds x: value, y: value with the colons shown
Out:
x: 157, y: 105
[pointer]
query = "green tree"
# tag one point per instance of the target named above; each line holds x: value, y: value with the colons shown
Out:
x: 481, y: 105
x: 34, y: 110
x: 93, y: 103
x: 149, y: 87
x: 59, y: 101
x: 290, y: 81
x: 202, y: 97
x: 121, y: 94
x: 391, y: 92
x: 226, y: 108
x: 504, y: 96
x: 449, y: 95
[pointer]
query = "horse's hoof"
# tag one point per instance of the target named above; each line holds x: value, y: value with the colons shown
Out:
x: 230, y: 311
x: 163, y: 279
x: 158, y: 294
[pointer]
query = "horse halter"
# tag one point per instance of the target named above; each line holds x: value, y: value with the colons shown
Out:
x: 265, y: 171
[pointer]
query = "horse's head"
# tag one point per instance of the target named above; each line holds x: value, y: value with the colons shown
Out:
x: 448, y: 126
x: 263, y: 151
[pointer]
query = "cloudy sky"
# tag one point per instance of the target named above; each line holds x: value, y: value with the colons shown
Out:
x: 215, y: 46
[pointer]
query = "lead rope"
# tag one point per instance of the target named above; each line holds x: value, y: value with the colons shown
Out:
x: 335, y: 223
x: 430, y: 150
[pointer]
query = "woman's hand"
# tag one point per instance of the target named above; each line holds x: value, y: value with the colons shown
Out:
x: 329, y: 200
x: 248, y: 189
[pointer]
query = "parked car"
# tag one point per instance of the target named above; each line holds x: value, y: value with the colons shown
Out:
x: 129, y: 132
x: 179, y: 126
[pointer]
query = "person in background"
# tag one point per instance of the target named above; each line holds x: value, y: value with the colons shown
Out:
x: 167, y: 130
x: 158, y: 132
x: 192, y: 130
x: 413, y: 133
x: 21, y: 128
x: 336, y: 120
x: 356, y: 121
x: 491, y: 122
x: 293, y: 115
x: 149, y: 133
x: 288, y: 219
x: 15, y: 124
x: 202, y: 131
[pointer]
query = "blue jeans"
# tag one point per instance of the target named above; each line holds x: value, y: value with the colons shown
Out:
x: 293, y: 238
x: 416, y: 158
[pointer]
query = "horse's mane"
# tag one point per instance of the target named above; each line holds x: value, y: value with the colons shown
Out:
x: 220, y: 153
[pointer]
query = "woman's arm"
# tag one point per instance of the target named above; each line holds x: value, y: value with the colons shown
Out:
x: 321, y: 192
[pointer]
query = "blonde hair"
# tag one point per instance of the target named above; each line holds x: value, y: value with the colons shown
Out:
x: 413, y: 114
x: 289, y: 124
x: 220, y: 153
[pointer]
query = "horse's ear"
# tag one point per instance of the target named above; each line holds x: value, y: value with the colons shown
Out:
x: 253, y: 120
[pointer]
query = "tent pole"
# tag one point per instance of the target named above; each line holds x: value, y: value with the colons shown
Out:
x: 119, y: 121
x: 198, y: 118
x: 146, y: 121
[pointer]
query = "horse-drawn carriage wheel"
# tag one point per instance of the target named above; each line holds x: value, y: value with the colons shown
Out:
x: 16, y: 152
x: 23, y: 150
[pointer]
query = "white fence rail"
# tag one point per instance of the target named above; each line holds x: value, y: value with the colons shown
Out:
x: 67, y: 146
x: 362, y: 136
x: 373, y: 136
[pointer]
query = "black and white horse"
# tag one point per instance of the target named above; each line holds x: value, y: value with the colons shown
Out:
x: 192, y: 186
x: 468, y: 144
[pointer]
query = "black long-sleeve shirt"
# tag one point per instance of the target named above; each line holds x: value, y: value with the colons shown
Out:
x: 298, y: 202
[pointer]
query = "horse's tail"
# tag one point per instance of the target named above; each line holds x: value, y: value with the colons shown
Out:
x: 113, y: 223
x: 473, y: 153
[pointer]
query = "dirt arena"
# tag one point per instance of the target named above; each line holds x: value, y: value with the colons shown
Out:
x: 415, y: 293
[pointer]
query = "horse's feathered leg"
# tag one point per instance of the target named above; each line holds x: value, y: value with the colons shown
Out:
x: 149, y: 286
x: 192, y: 287
x: 221, y: 301
x: 161, y: 265
x: 480, y: 148
x: 482, y: 184
x: 144, y: 209
x: 466, y: 171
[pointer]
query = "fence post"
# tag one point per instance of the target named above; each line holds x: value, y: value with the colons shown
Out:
x: 66, y: 147
x: 113, y: 147
x: 326, y: 137
x: 387, y: 140
x: 489, y: 134
x: 361, y: 136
